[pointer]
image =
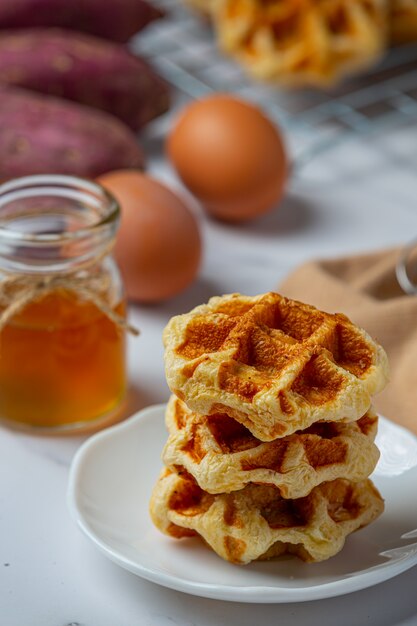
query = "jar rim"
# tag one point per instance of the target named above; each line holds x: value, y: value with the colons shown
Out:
x: 47, y: 184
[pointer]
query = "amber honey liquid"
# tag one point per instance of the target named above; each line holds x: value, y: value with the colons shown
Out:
x: 62, y: 362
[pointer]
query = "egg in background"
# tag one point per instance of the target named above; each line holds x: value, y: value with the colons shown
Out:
x: 158, y: 245
x: 230, y: 156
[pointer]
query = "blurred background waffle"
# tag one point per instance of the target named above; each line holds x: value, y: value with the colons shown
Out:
x: 302, y: 42
x: 183, y: 48
x: 404, y: 20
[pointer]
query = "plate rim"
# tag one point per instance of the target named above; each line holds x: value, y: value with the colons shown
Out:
x: 248, y: 594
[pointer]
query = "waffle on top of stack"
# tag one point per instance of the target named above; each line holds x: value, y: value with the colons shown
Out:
x: 271, y: 430
x: 309, y: 42
x: 273, y: 364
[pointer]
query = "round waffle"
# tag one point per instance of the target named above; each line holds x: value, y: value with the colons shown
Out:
x: 312, y: 42
x: 403, y: 20
x: 273, y: 364
x: 223, y: 456
x: 256, y: 523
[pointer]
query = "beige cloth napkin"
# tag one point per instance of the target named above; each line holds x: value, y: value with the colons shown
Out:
x: 365, y: 288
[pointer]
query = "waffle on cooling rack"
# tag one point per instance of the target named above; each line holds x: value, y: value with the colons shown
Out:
x: 301, y: 42
x: 403, y: 20
x: 257, y: 523
x: 273, y: 364
x: 223, y: 456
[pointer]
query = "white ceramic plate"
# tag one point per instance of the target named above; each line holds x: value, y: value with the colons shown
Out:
x: 111, y: 479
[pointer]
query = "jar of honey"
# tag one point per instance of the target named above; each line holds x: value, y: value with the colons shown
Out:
x: 62, y: 311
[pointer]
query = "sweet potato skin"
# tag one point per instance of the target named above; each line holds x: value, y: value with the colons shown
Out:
x: 40, y: 134
x: 85, y: 69
x: 117, y: 20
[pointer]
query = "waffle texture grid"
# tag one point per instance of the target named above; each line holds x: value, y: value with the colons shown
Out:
x: 273, y: 364
x: 223, y: 456
x: 257, y: 523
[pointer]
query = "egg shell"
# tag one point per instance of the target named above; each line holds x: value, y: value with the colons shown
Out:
x: 158, y: 246
x: 230, y: 156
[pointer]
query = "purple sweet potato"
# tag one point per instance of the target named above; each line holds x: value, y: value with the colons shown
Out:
x: 117, y: 20
x: 41, y: 134
x: 85, y: 69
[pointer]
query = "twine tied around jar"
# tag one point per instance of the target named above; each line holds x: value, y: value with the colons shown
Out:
x: 17, y: 291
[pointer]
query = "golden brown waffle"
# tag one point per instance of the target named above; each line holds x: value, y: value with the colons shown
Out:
x: 273, y: 364
x: 256, y: 523
x: 312, y: 42
x: 223, y: 456
x: 403, y: 20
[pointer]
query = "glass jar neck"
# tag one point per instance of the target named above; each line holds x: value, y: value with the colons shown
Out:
x: 55, y: 224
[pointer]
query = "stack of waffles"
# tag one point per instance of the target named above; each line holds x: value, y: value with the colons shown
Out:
x: 309, y: 42
x: 271, y: 429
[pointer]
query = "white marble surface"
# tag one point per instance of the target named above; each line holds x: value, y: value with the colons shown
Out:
x: 356, y: 198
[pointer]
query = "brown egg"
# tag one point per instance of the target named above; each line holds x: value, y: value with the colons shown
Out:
x: 158, y: 246
x: 230, y: 156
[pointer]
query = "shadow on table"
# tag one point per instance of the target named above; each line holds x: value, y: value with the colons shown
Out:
x: 292, y: 215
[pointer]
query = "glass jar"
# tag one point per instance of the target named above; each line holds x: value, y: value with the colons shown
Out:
x: 62, y: 311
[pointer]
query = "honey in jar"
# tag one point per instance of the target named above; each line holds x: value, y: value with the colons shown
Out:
x: 62, y: 331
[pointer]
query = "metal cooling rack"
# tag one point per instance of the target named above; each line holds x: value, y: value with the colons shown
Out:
x: 181, y: 46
